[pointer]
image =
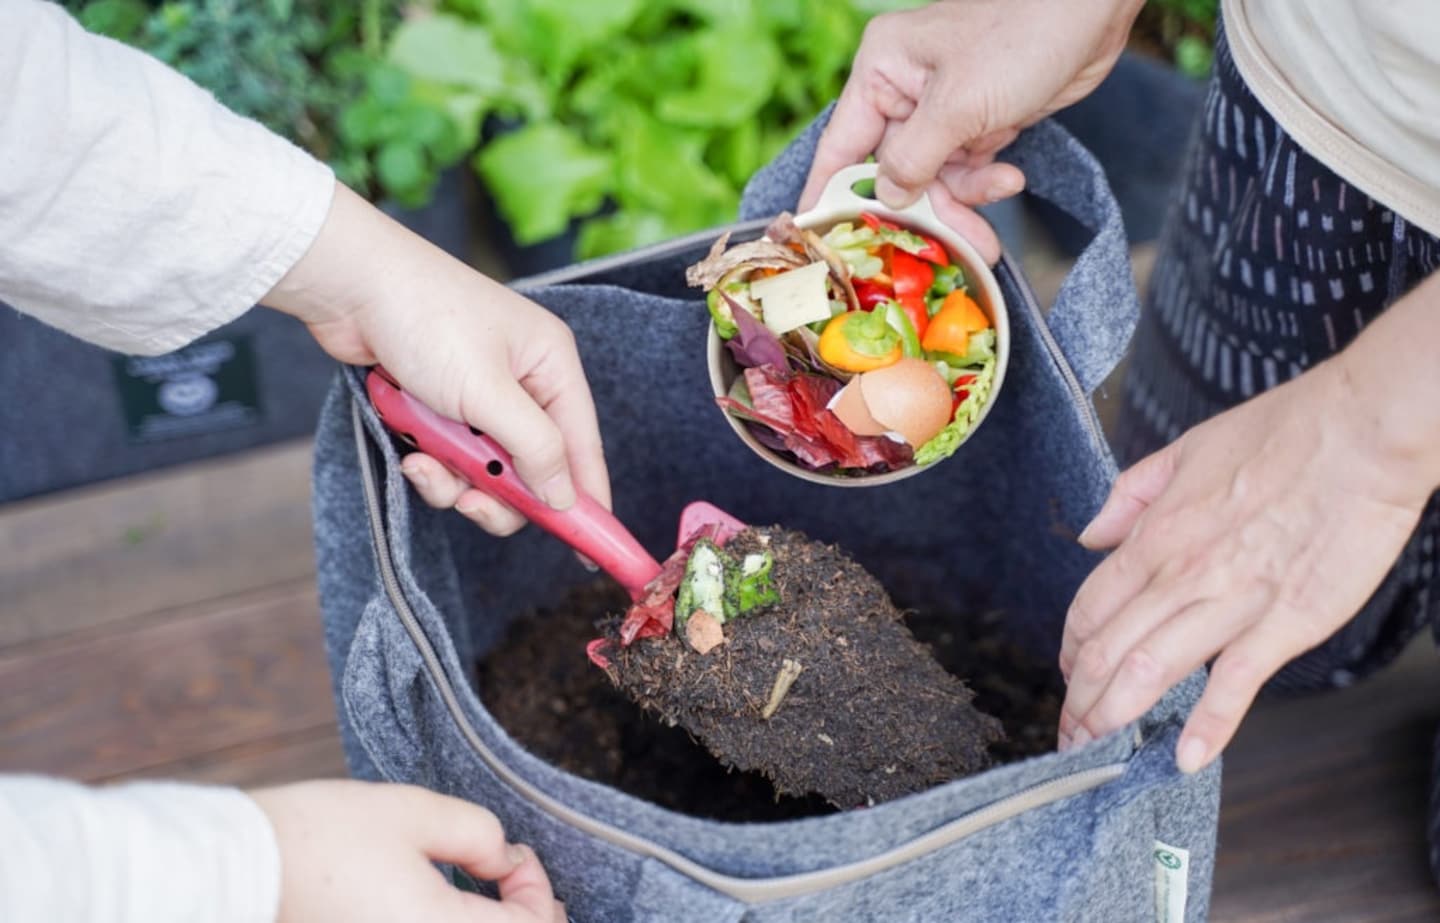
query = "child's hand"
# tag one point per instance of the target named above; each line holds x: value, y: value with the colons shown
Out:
x: 469, y: 348
x: 360, y: 852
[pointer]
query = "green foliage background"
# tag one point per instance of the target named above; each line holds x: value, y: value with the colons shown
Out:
x: 630, y: 121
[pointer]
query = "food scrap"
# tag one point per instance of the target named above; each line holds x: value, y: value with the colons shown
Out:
x: 861, y: 351
x: 699, y: 589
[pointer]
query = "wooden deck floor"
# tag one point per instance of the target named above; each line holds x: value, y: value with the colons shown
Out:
x: 167, y: 626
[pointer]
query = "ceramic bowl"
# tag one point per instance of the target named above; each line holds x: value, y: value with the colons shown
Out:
x: 839, y: 202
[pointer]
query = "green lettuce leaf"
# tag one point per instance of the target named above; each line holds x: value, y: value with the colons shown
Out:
x: 736, y: 72
x: 541, y: 176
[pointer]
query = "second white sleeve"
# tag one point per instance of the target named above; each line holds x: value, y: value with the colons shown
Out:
x: 140, y: 853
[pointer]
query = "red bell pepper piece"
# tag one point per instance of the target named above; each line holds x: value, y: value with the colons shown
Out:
x: 933, y: 252
x: 912, y: 276
x: 962, y: 391
x: 914, y: 309
x: 876, y: 222
x: 872, y: 294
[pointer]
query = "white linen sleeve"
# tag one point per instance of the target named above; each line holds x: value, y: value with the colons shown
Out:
x: 139, y: 853
x: 136, y: 212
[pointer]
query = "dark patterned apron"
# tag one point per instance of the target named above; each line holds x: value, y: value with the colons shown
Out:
x: 1270, y: 263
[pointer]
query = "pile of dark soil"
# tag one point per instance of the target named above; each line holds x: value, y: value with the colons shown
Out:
x: 541, y: 688
x: 869, y: 714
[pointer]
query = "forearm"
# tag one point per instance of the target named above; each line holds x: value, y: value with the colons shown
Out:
x: 1393, y: 370
x: 136, y: 212
x: 147, y: 853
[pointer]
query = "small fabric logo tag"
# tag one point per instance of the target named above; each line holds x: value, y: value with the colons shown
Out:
x: 1172, y: 877
x: 204, y: 388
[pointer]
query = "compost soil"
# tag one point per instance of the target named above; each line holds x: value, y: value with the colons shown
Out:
x: 542, y: 689
x: 869, y: 715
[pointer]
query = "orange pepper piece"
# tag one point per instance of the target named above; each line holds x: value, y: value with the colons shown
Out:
x: 950, y: 328
x: 859, y: 341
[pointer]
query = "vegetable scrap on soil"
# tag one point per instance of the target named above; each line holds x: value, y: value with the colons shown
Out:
x: 859, y: 351
x: 543, y: 691
x: 814, y: 681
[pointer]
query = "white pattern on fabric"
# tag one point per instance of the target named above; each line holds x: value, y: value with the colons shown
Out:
x: 1328, y: 260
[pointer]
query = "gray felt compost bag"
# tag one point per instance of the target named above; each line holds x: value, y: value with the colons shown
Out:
x: 412, y: 596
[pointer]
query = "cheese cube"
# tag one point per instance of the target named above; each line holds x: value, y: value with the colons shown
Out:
x: 793, y: 298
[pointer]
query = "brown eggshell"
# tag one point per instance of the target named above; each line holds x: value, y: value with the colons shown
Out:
x: 704, y: 632
x: 849, y: 406
x: 909, y: 398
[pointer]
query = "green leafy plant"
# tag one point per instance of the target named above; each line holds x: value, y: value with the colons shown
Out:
x: 638, y: 120
x: 1184, y: 30
x: 300, y: 67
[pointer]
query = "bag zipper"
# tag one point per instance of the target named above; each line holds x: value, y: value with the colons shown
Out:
x: 1078, y: 395
x: 747, y: 890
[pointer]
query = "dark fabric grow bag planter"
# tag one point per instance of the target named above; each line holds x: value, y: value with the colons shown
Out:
x: 411, y: 597
x: 76, y: 414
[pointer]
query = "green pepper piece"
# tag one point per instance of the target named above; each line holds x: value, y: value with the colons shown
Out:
x: 899, y: 321
x: 868, y: 334
x: 721, y: 314
x: 755, y: 588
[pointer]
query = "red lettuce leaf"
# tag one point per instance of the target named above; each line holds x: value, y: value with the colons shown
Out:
x: 792, y: 406
x: 753, y: 343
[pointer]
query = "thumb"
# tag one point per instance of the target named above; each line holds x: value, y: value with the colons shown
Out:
x: 855, y: 129
x: 1134, y: 491
x: 916, y: 148
x: 528, y: 889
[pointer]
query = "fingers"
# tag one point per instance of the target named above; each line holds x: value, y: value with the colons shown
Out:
x: 1144, y: 652
x: 853, y: 134
x: 512, y: 417
x: 442, y: 489
x: 468, y: 836
x: 1132, y: 494
x: 527, y: 890
x: 983, y: 184
x: 967, y: 223
x: 1234, y: 681
x: 1114, y: 660
x: 459, y: 832
x: 913, y: 152
x: 558, y: 385
x: 1108, y: 588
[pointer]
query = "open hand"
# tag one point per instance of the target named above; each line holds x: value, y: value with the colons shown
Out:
x: 362, y: 852
x: 1254, y: 537
x: 469, y: 348
x: 935, y: 92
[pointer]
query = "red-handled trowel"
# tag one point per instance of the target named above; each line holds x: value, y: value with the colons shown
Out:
x: 586, y: 526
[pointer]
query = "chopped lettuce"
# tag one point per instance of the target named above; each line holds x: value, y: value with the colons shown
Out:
x: 944, y: 443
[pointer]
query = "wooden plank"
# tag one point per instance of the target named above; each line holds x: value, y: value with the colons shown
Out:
x: 314, y: 753
x: 143, y: 696
x: 1324, y: 807
x: 101, y: 554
